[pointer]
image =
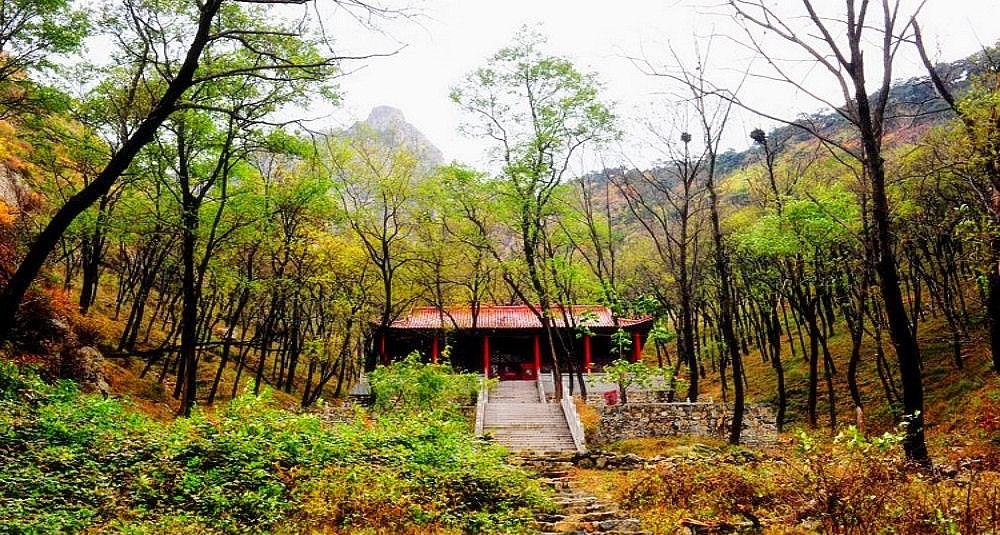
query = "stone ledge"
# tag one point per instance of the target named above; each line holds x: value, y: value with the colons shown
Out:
x: 653, y: 420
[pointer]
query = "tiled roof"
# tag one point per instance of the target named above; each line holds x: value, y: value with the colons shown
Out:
x: 508, y: 317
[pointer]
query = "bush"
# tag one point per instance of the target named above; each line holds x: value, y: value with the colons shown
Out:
x: 73, y: 463
x: 851, y: 484
x: 412, y: 386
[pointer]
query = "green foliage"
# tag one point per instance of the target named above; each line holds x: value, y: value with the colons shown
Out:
x: 33, y: 34
x: 583, y: 320
x: 661, y: 335
x: 539, y: 105
x: 413, y: 386
x: 70, y: 463
x: 539, y: 111
x: 625, y: 374
x: 853, y: 439
x: 808, y: 226
x: 621, y: 342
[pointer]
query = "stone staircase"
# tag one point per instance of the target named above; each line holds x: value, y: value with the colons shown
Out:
x: 580, y: 513
x: 516, y: 418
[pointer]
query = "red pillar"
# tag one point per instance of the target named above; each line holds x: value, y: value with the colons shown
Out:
x: 586, y: 353
x: 637, y: 345
x: 434, y: 350
x: 381, y: 350
x: 538, y: 356
x: 486, y: 356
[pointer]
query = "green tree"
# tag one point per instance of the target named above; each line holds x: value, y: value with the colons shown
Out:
x: 411, y: 386
x: 32, y: 34
x: 623, y: 373
x: 181, y: 49
x: 375, y: 182
x: 539, y: 112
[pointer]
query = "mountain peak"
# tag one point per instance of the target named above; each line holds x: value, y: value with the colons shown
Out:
x: 385, y: 115
x: 391, y: 124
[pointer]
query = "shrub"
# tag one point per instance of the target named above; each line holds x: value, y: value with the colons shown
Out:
x: 851, y: 484
x: 410, y: 385
x: 74, y: 463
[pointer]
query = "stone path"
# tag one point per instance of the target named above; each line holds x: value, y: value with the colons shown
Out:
x: 581, y: 513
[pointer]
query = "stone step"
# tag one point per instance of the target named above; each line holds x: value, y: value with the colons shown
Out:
x: 515, y: 418
x: 548, y: 425
x: 527, y: 435
x: 498, y: 416
x: 580, y: 513
x: 521, y: 445
x: 515, y: 411
x: 608, y: 525
x: 524, y: 406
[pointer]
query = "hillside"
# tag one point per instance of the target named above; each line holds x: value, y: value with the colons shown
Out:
x: 136, y: 318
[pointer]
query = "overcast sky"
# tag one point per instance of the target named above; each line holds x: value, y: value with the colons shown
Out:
x: 454, y: 37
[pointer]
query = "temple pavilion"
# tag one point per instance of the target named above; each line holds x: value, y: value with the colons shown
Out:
x: 509, y: 342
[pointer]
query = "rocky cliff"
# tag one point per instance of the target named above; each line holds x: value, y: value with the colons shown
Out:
x: 12, y: 189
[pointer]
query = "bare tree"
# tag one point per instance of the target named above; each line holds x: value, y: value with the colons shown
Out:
x: 838, y: 46
x: 711, y: 112
x: 669, y: 204
x: 981, y: 127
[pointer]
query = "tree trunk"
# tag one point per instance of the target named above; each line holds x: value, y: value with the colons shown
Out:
x: 993, y: 302
x: 188, y: 371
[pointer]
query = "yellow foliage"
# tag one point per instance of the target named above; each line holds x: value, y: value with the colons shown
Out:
x: 7, y: 214
x: 13, y: 150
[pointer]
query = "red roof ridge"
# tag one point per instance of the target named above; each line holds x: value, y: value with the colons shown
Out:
x: 508, y: 317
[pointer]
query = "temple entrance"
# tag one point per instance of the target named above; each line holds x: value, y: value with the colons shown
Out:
x: 512, y: 358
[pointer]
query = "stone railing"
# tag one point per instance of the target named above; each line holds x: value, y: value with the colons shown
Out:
x: 484, y: 396
x: 573, y: 419
x: 644, y: 420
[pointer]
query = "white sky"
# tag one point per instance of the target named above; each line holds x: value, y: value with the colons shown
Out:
x: 455, y: 37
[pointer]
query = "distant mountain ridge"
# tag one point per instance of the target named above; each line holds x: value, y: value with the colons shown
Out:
x: 914, y: 107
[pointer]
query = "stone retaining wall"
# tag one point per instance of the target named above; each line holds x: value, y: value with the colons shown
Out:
x: 646, y: 420
x: 595, y: 396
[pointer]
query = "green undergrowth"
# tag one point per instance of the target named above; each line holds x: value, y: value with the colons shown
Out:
x: 73, y: 463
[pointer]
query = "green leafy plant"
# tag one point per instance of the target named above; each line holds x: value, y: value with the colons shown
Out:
x: 74, y: 463
x: 621, y: 342
x: 412, y: 386
x: 625, y: 374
